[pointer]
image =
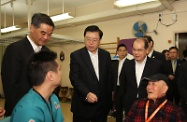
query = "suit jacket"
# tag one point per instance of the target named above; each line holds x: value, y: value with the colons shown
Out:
x: 129, y: 83
x: 182, y: 82
x: 84, y: 80
x: 14, y: 72
x: 115, y: 65
x: 159, y: 56
x: 169, y: 71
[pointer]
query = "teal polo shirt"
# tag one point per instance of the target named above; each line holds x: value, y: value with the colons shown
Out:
x: 33, y: 108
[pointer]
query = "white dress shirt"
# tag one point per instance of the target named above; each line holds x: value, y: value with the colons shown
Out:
x: 94, y: 59
x: 119, y: 69
x: 139, y: 70
x: 34, y: 46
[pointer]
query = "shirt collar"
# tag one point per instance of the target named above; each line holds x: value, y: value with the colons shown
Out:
x: 159, y: 100
x: 143, y: 62
x: 34, y: 46
x: 92, y: 54
x: 150, y: 54
x: 122, y: 60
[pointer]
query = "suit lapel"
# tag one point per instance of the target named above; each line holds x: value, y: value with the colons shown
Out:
x: 133, y: 73
x: 101, y: 60
x: 146, y: 68
x: 87, y: 61
x: 28, y: 46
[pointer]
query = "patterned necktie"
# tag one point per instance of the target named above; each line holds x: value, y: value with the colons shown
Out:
x: 173, y: 65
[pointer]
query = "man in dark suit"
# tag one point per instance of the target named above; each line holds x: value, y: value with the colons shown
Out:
x: 184, y: 55
x: 153, y: 53
x: 14, y: 68
x: 171, y: 69
x: 182, y: 86
x: 90, y: 75
x: 133, y: 70
x: 116, y: 71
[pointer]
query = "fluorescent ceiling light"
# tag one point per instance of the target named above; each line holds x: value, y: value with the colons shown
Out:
x: 125, y: 3
x: 9, y: 29
x: 60, y: 17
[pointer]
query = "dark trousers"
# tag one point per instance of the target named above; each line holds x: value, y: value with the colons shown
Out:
x: 99, y: 116
x: 119, y: 101
x: 172, y: 93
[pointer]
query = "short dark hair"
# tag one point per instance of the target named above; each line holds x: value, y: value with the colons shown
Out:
x: 149, y: 39
x: 164, y: 51
x: 39, y: 18
x: 121, y: 45
x: 171, y: 48
x: 39, y: 64
x: 144, y: 40
x: 93, y: 28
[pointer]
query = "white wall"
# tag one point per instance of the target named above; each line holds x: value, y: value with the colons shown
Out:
x: 123, y: 28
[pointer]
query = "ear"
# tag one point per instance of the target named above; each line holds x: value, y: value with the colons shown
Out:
x: 31, y: 28
x: 49, y: 76
x: 165, y: 89
x: 151, y: 44
x: 147, y: 51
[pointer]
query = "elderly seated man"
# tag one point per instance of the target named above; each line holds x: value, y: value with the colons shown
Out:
x: 155, y: 108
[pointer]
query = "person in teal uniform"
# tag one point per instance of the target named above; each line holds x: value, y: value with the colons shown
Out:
x: 40, y: 104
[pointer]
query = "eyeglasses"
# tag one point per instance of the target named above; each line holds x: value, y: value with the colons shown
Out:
x: 91, y: 39
x: 137, y: 50
x: 172, y: 52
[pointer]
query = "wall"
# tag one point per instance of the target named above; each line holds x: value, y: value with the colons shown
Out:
x: 123, y: 28
x: 67, y: 49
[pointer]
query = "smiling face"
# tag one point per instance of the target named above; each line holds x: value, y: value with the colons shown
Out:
x: 138, y: 50
x: 156, y: 89
x: 40, y: 36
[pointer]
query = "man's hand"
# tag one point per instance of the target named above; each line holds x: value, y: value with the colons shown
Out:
x: 171, y: 77
x: 91, y: 97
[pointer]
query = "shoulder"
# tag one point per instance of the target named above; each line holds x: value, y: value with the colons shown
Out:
x: 151, y: 60
x: 18, y: 45
x: 170, y: 107
x: 184, y: 65
x: 140, y: 103
x: 20, y: 42
x: 27, y: 114
x: 158, y: 53
x: 103, y: 50
x: 79, y: 51
x: 129, y: 62
x: 32, y: 105
x: 54, y: 98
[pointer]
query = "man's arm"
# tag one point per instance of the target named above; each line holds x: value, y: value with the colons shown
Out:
x: 76, y: 77
x: 182, y: 82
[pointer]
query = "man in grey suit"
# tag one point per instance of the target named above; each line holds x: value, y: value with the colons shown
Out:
x: 14, y: 68
x: 133, y: 70
x: 90, y: 75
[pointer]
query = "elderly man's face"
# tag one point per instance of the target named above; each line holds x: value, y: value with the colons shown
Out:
x: 156, y: 89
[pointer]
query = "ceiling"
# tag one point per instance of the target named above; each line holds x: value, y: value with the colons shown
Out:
x: 84, y: 11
